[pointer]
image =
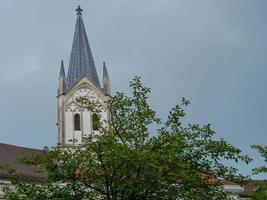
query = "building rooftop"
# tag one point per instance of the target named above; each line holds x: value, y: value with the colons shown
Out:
x: 9, y: 156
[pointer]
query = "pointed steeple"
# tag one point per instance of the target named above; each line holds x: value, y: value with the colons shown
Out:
x: 81, y: 59
x: 62, y: 70
x: 105, y: 72
x: 62, y: 80
x: 106, y: 80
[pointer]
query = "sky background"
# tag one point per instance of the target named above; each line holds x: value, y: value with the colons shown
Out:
x: 211, y: 52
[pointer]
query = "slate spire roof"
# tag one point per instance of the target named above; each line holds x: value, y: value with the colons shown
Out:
x: 81, y: 59
x: 105, y: 72
x: 62, y: 70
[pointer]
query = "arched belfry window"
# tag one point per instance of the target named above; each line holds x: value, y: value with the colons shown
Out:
x: 95, y: 122
x: 77, y: 122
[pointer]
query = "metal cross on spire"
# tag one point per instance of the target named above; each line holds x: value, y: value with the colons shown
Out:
x: 79, y: 10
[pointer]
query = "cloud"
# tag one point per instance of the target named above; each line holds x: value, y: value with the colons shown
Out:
x: 28, y: 66
x: 7, y: 6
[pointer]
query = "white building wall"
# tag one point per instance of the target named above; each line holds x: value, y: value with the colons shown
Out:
x: 69, y: 107
x: 77, y: 137
x: 68, y: 127
x: 87, y: 123
x: 86, y: 126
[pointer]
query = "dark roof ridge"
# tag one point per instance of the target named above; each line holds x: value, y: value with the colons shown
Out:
x: 16, y: 146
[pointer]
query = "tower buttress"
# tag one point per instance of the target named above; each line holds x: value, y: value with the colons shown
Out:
x: 60, y: 103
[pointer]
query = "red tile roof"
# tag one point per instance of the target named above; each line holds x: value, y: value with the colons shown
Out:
x: 226, y: 182
x: 9, y: 155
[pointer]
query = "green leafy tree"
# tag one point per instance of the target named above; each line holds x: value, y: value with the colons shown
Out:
x: 129, y: 161
x: 260, y: 192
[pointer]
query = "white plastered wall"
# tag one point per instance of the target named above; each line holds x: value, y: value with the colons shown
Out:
x: 71, y: 108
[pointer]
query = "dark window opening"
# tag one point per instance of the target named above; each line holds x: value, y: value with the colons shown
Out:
x: 96, y: 122
x: 77, y: 122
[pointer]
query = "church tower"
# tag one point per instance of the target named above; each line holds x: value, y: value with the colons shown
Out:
x: 74, y: 121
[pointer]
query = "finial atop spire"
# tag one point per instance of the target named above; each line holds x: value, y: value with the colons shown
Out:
x: 79, y: 10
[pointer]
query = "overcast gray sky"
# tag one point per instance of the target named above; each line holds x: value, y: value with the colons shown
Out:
x: 211, y: 52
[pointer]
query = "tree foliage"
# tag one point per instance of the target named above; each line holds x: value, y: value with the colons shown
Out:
x: 260, y: 192
x: 131, y: 161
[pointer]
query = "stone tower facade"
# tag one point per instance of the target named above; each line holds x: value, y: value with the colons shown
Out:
x: 75, y: 121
